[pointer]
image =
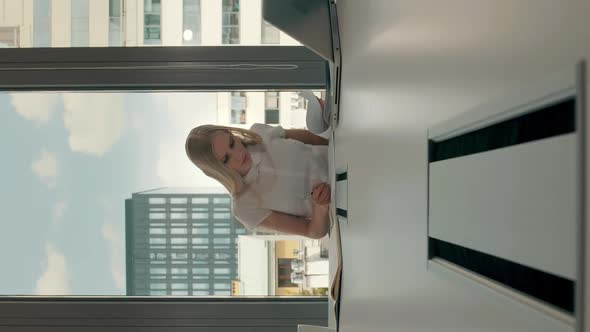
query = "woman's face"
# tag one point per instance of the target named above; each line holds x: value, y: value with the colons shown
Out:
x: 229, y: 150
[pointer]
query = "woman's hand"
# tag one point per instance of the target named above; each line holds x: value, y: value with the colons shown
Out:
x: 320, y: 194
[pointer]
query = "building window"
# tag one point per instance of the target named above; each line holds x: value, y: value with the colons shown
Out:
x: 42, y: 23
x: 79, y: 23
x: 157, y: 200
x: 157, y: 286
x: 200, y: 215
x: 115, y: 23
x: 201, y: 293
x: 221, y: 215
x: 201, y: 286
x: 158, y: 240
x: 178, y: 200
x: 178, y: 271
x: 9, y: 37
x: 270, y: 34
x: 221, y: 241
x: 221, y: 231
x: 230, y: 28
x: 179, y: 240
x: 201, y: 231
x: 152, y: 27
x: 201, y: 270
x: 157, y: 270
x: 178, y: 215
x: 158, y: 231
x: 200, y: 240
x: 178, y: 231
x: 238, y: 107
x: 271, y: 107
x: 200, y: 200
x: 241, y: 231
x: 285, y: 273
x: 157, y: 215
x: 191, y: 22
x: 221, y: 270
x: 221, y: 200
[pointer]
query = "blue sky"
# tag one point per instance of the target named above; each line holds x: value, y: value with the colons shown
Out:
x: 69, y: 161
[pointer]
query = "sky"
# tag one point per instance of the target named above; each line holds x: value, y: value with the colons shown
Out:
x: 69, y: 162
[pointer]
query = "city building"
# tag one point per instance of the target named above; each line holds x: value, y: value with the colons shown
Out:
x: 181, y: 241
x: 123, y: 23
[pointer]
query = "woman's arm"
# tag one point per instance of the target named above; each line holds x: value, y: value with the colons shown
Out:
x: 305, y: 136
x: 315, y: 228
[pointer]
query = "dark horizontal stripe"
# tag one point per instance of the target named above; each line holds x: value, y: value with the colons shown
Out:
x: 342, y: 213
x: 550, y: 121
x: 544, y: 286
x: 342, y: 176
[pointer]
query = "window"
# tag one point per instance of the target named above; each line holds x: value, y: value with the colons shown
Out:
x: 157, y: 231
x: 179, y: 292
x: 157, y: 200
x: 9, y: 37
x: 178, y: 200
x: 201, y: 270
x: 222, y: 286
x: 221, y: 292
x: 200, y: 216
x: 179, y: 286
x: 238, y: 107
x: 200, y: 286
x: 270, y: 34
x: 200, y: 240
x: 221, y: 200
x: 157, y: 270
x: 221, y: 215
x: 285, y: 273
x: 271, y: 107
x: 240, y: 231
x: 157, y: 215
x: 178, y: 215
x: 271, y: 116
x: 115, y: 23
x: 221, y: 256
x: 158, y: 240
x: 152, y: 28
x: 223, y: 240
x: 179, y: 240
x: 218, y: 230
x: 178, y: 231
x: 157, y: 286
x: 178, y: 271
x: 230, y: 25
x: 201, y: 231
x: 175, y: 255
x: 221, y: 270
x: 79, y: 23
x: 42, y: 23
x: 200, y: 200
x: 191, y: 22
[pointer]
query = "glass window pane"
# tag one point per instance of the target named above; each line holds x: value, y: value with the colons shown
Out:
x: 157, y: 231
x: 201, y: 286
x: 157, y: 200
x: 178, y: 231
x: 179, y: 240
x: 200, y: 200
x: 220, y: 270
x: 191, y: 22
x: 221, y: 241
x: 178, y: 200
x: 200, y: 230
x: 152, y: 23
x: 221, y: 200
x: 201, y: 270
x: 178, y: 215
x: 199, y: 240
x: 42, y: 23
x: 79, y: 26
x: 221, y: 230
x: 200, y: 215
x: 157, y: 215
x: 221, y: 215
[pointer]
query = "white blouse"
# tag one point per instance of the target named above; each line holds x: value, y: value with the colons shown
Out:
x: 281, y: 177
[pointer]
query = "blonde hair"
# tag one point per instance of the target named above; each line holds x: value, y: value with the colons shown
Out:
x: 200, y: 152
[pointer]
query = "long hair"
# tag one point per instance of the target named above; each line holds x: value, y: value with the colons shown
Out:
x: 200, y: 152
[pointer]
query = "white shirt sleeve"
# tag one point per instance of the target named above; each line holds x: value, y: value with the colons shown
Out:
x: 268, y: 132
x: 246, y: 211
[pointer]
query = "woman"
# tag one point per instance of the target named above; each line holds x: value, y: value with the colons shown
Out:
x: 277, y: 178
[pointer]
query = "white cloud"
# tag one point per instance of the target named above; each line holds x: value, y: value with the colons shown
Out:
x: 117, y: 256
x: 34, y: 106
x: 55, y: 278
x: 46, y: 168
x: 94, y: 121
x: 58, y: 211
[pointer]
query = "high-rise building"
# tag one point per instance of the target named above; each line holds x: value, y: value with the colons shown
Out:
x: 81, y: 23
x: 181, y: 241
